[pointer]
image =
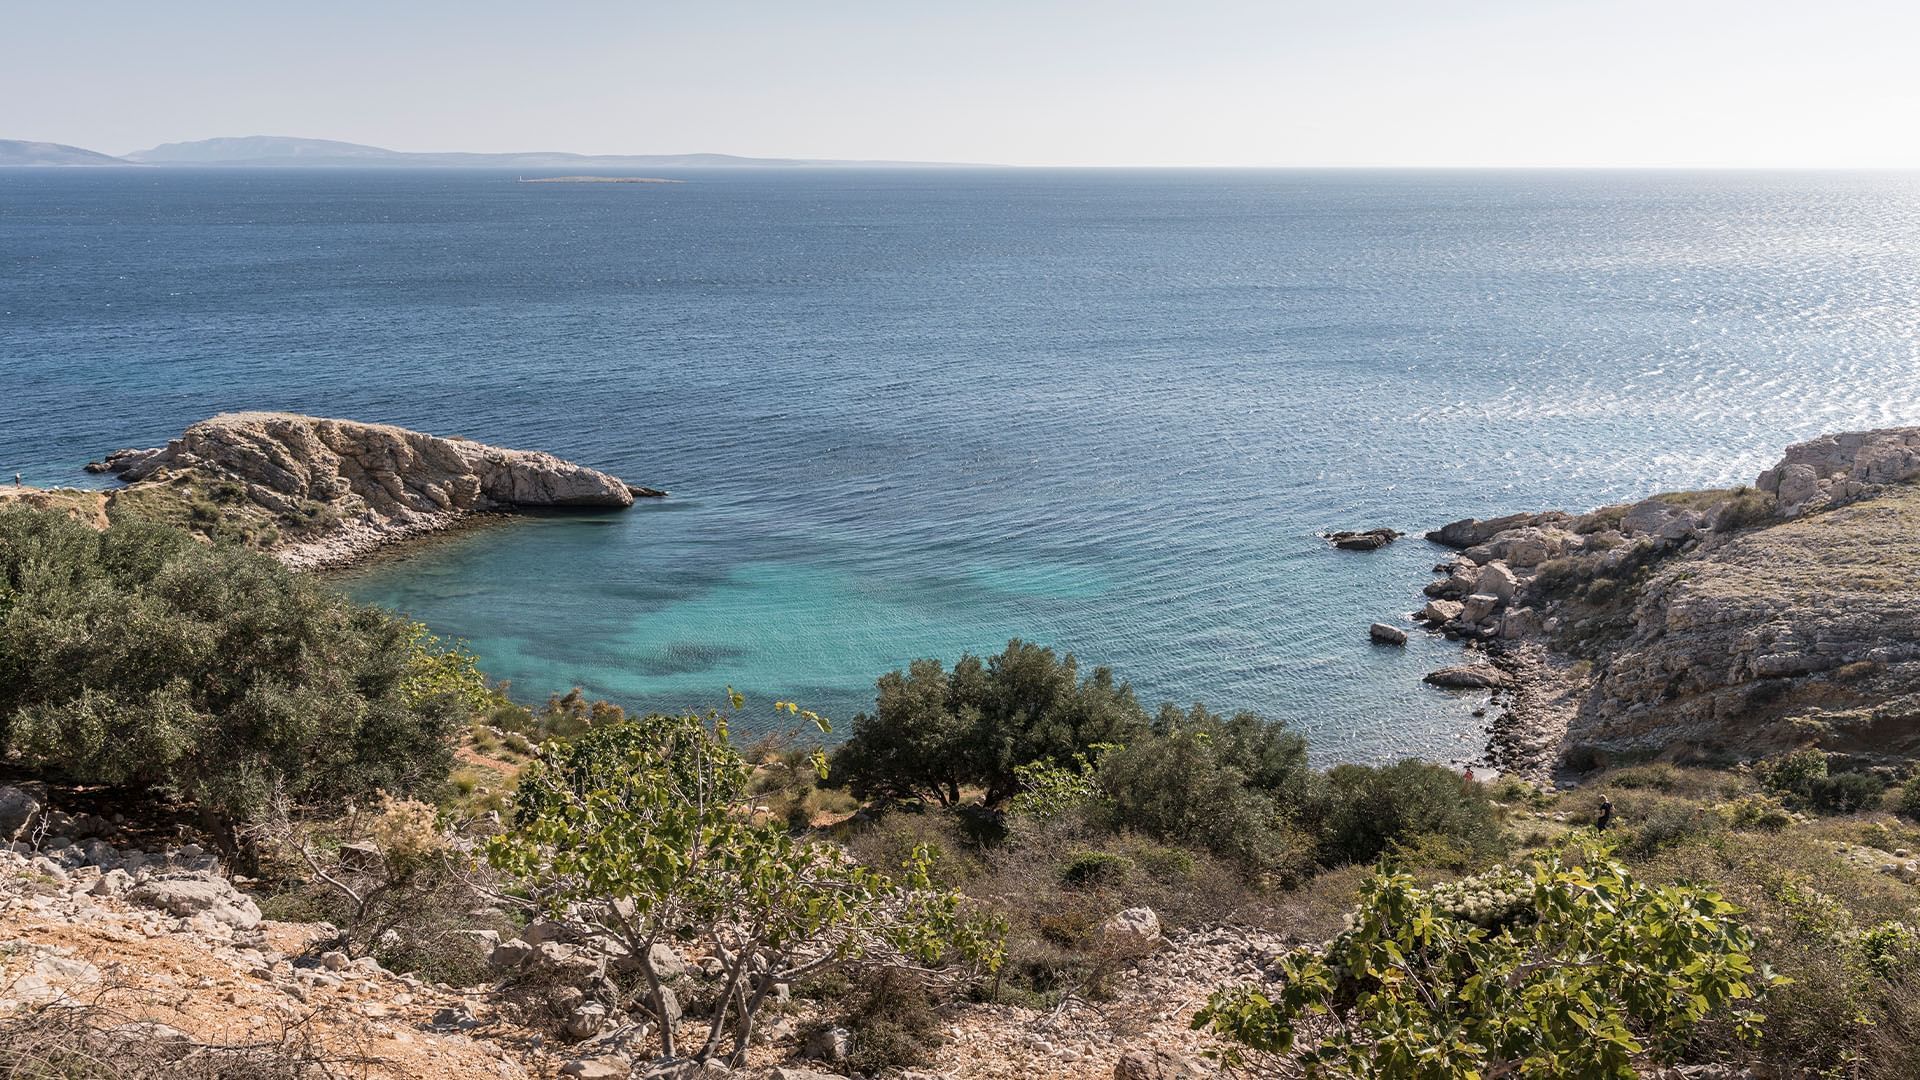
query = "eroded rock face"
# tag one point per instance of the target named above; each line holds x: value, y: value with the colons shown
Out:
x: 1744, y: 621
x: 338, y: 487
x: 1836, y: 469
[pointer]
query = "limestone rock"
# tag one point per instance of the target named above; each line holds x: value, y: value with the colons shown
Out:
x: 1467, y: 532
x: 1441, y: 612
x: 1387, y: 634
x: 1496, y: 580
x: 1156, y: 1064
x: 1135, y: 930
x: 18, y: 811
x: 511, y: 955
x: 830, y: 1044
x: 200, y: 894
x: 1467, y: 677
x: 667, y: 962
x: 586, y: 1020
x: 1478, y: 608
x: 362, y: 482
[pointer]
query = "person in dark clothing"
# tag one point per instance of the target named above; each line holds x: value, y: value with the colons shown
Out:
x: 1606, y: 814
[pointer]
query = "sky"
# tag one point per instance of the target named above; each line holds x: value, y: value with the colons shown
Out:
x: 1695, y: 83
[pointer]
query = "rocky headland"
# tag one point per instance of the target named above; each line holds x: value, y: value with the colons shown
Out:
x: 1718, y: 624
x: 319, y: 493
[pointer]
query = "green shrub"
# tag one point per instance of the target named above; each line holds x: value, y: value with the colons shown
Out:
x: 644, y: 831
x: 1368, y: 809
x: 1600, y: 973
x: 1087, y: 868
x: 140, y: 657
x: 1235, y: 787
x: 1908, y: 802
x: 1794, y: 773
x: 934, y: 732
x: 1845, y: 793
x: 1758, y: 811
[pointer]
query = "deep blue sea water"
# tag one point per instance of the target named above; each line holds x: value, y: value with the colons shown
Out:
x: 913, y: 413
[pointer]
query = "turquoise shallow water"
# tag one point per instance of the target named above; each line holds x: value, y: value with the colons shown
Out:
x: 914, y: 413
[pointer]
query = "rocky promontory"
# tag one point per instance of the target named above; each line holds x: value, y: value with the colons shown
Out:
x: 318, y: 492
x: 1726, y: 623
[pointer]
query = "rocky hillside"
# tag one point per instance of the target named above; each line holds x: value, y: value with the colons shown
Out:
x: 1740, y: 621
x: 158, y: 956
x: 318, y: 492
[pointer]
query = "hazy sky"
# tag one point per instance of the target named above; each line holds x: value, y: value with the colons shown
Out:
x: 1099, y: 82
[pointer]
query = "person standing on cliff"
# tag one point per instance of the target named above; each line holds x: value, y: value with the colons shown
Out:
x: 1606, y: 814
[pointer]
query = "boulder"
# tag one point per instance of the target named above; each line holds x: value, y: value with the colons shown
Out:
x: 667, y: 1008
x: 1520, y: 623
x: 511, y: 955
x: 1441, y: 612
x: 1135, y: 930
x: 19, y: 809
x: 1386, y: 634
x: 198, y: 894
x: 1478, y: 608
x: 1157, y: 1064
x: 1467, y: 677
x: 586, y: 1020
x: 1496, y: 580
x: 667, y: 962
x: 830, y: 1044
x: 363, y: 856
x: 114, y: 883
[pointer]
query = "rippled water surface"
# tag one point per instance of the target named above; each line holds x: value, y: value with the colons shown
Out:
x: 915, y: 413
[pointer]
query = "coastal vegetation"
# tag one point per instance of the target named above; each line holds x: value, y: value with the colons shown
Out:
x: 1015, y: 832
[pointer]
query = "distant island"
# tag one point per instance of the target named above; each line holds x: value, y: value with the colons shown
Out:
x: 277, y: 151
x: 598, y: 180
x: 17, y: 152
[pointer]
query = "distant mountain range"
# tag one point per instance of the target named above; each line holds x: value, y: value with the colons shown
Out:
x: 275, y: 151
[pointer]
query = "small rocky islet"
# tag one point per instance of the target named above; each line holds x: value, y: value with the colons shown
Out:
x: 320, y: 493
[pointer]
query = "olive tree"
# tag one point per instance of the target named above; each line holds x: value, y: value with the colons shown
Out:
x: 934, y: 731
x: 1569, y: 968
x: 643, y: 834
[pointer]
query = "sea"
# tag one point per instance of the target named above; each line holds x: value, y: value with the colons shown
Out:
x: 917, y: 413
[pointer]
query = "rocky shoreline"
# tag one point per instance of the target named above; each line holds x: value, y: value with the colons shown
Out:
x: 1709, y: 624
x: 326, y: 494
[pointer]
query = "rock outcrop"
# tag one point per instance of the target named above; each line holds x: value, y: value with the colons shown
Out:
x: 1368, y: 540
x: 319, y: 492
x: 1743, y: 621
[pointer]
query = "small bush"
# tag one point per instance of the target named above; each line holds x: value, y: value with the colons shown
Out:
x: 1089, y: 868
x: 1758, y: 811
x: 1845, y: 793
x: 1907, y: 804
x: 1658, y: 776
x: 893, y: 1023
x: 1370, y: 809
